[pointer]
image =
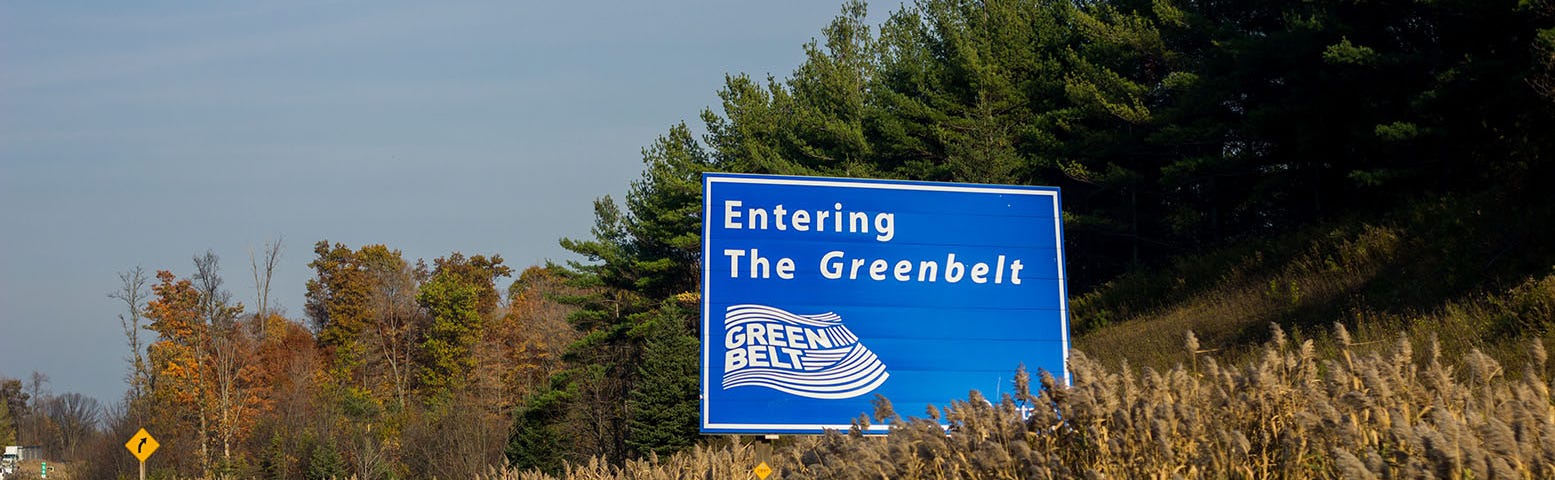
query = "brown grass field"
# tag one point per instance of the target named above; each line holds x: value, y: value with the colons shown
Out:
x: 1393, y: 412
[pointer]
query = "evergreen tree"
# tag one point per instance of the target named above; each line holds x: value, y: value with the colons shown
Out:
x: 537, y: 441
x: 636, y: 260
x: 664, y: 408
x: 811, y: 124
x: 325, y: 462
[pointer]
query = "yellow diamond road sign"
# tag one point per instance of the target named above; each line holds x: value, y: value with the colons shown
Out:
x: 141, y: 445
x: 763, y: 470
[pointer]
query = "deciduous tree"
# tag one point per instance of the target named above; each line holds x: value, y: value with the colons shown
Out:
x: 180, y: 368
x: 132, y: 291
x: 448, y: 343
x: 76, y: 417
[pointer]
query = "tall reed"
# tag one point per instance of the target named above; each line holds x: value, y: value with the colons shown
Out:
x: 1291, y: 413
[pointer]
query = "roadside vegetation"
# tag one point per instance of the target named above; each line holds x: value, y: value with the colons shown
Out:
x: 1457, y: 270
x: 1402, y: 410
x: 1306, y: 240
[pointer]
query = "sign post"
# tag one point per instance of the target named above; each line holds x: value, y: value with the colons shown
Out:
x: 141, y: 445
x: 819, y: 294
x: 763, y: 455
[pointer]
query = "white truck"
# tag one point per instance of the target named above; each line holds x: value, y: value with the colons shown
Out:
x: 13, y: 455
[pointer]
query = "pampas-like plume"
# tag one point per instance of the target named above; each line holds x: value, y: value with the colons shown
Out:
x: 1381, y: 415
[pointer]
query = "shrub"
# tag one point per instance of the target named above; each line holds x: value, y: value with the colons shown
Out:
x: 1291, y: 413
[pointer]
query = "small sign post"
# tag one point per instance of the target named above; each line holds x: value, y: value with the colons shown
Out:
x: 142, y: 446
x: 764, y: 455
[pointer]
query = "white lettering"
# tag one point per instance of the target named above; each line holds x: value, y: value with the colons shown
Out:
x: 858, y: 222
x: 877, y: 269
x: 735, y: 360
x: 930, y: 268
x: 756, y: 334
x: 776, y: 362
x: 882, y: 225
x: 760, y: 268
x: 953, y: 269
x: 980, y: 272
x: 885, y: 224
x: 785, y: 268
x: 837, y: 265
x: 796, y: 336
x: 793, y: 357
x: 758, y: 356
x: 817, y: 339
x: 735, y: 337
x: 853, y: 273
x: 775, y: 335
x: 756, y: 213
x: 730, y: 214
x: 831, y: 266
x: 734, y: 261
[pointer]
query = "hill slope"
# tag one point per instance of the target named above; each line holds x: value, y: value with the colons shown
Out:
x: 1475, y: 273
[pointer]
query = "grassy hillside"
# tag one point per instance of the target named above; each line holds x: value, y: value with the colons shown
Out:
x: 1471, y: 272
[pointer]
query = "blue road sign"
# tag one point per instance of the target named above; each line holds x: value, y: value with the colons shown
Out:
x: 819, y: 293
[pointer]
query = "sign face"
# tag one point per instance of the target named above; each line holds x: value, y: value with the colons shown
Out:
x: 762, y: 471
x: 142, y: 445
x: 820, y: 293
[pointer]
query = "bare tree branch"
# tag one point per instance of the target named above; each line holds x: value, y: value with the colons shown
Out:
x: 132, y: 291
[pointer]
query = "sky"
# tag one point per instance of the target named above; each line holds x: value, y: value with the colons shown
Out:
x: 144, y: 133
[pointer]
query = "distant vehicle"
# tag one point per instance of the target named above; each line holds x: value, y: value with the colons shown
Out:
x: 13, y: 454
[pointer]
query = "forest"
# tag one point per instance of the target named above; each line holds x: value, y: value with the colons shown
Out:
x: 1304, y: 188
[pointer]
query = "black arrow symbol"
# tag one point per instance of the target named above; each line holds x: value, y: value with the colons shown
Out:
x: 142, y: 444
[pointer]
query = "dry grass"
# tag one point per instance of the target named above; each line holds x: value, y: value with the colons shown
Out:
x: 1248, y: 295
x: 1292, y: 412
x: 30, y: 470
x: 1359, y: 275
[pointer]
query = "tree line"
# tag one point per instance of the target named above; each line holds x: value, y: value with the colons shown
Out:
x: 31, y: 415
x: 395, y: 369
x: 1172, y: 126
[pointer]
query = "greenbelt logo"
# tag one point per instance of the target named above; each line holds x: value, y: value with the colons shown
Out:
x: 812, y: 356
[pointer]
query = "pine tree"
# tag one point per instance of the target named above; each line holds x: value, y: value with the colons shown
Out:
x: 663, y: 408
x: 537, y: 441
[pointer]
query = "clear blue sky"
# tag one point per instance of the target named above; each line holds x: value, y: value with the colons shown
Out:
x: 143, y: 133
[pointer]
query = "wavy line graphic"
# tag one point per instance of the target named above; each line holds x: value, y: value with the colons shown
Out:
x: 812, y: 356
